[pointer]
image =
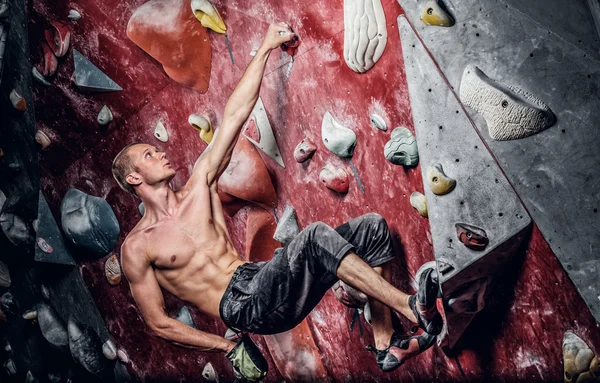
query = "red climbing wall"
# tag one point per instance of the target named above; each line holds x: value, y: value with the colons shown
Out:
x: 517, y: 338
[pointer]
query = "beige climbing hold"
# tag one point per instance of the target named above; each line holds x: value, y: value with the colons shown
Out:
x: 203, y: 125
x: 208, y: 15
x: 577, y: 357
x: 209, y: 373
x: 418, y: 201
x: 123, y: 357
x: 160, y: 132
x: 439, y: 182
x: 30, y: 315
x: 365, y: 33
x: 434, y: 14
x: 17, y: 101
x: 112, y: 270
x: 42, y: 139
x: 105, y: 116
x: 510, y: 112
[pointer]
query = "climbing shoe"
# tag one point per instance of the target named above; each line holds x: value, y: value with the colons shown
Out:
x: 423, y: 304
x: 409, y: 346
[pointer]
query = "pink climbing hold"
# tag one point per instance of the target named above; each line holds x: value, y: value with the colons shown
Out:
x: 334, y: 178
x: 251, y: 131
x: 46, y: 248
x: 304, y: 150
x: 58, y: 37
x: 50, y: 61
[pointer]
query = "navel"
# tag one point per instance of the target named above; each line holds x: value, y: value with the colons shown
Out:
x: 210, y: 221
x: 173, y: 258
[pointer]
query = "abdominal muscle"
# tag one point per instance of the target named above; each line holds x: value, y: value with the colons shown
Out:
x: 198, y: 273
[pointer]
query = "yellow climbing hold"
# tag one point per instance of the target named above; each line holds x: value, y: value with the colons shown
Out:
x: 203, y: 125
x: 439, y: 182
x: 418, y: 201
x: 208, y: 15
x: 435, y: 15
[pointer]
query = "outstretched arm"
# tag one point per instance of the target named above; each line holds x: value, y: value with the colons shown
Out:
x: 146, y: 293
x: 215, y: 158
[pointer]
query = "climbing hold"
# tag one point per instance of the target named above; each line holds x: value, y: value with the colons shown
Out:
x: 42, y: 139
x: 52, y: 326
x: 10, y: 367
x: 89, y: 222
x: 510, y: 112
x: 30, y: 315
x: 365, y: 33
x: 105, y: 116
x: 378, y: 122
x: 74, y: 15
x: 37, y: 76
x: 287, y: 227
x: 593, y: 373
x: 45, y: 292
x: 471, y: 236
x: 577, y: 357
x: 304, y: 150
x: 444, y: 267
x: 85, y: 346
x: 58, y: 38
x: 334, y: 178
x: 160, y: 132
x: 439, y: 183
x: 29, y: 378
x: 142, y: 208
x: 4, y: 275
x: 109, y: 350
x: 418, y: 201
x: 51, y: 246
x: 401, y: 149
x: 89, y: 78
x: 15, y: 229
x: 337, y: 138
x: 434, y: 14
x: 209, y: 373
x: 348, y: 295
x: 17, y: 101
x: 367, y: 313
x: 231, y: 335
x: 424, y: 267
x: 208, y: 15
x: 171, y: 34
x: 469, y: 298
x: 123, y: 357
x: 185, y: 316
x: 50, y: 61
x: 112, y: 270
x: 246, y: 178
x: 203, y: 125
x: 266, y: 139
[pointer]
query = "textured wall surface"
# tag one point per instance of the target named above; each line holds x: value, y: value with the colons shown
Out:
x: 516, y: 338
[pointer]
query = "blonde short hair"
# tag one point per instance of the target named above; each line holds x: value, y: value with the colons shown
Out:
x: 122, y: 166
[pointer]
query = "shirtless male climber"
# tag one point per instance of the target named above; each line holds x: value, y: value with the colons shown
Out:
x: 182, y: 245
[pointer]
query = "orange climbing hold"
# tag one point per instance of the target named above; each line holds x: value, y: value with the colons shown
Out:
x: 169, y: 32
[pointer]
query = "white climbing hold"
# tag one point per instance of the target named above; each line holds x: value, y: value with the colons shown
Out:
x: 510, y: 112
x: 434, y: 14
x: 287, y: 227
x: 142, y: 208
x: 109, y: 350
x: 160, y: 132
x: 209, y: 373
x: 30, y: 315
x: 42, y: 139
x: 337, y: 138
x: 378, y: 122
x: 367, y: 312
x: 419, y: 203
x: 365, y: 33
x: 74, y: 15
x: 105, y: 116
x: 266, y: 139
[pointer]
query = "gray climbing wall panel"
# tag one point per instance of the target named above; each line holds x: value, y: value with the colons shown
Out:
x: 555, y: 56
x: 482, y: 196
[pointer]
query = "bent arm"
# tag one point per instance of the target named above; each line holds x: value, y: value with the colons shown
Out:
x: 215, y: 158
x: 148, y: 296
